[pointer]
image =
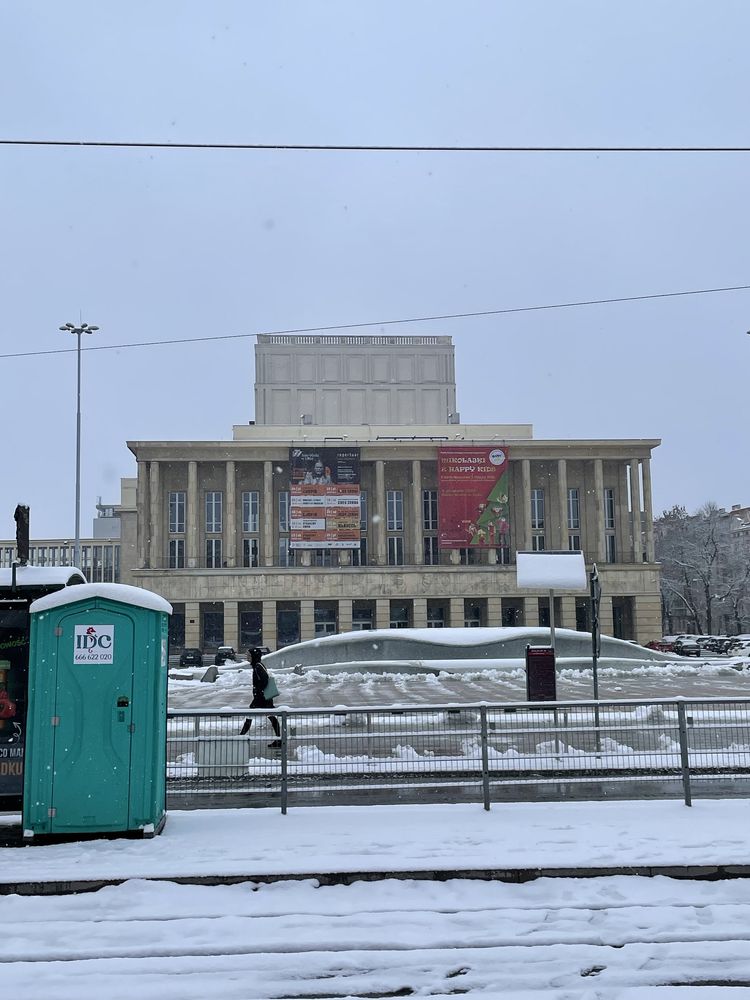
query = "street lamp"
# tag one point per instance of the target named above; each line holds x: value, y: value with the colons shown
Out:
x: 78, y: 330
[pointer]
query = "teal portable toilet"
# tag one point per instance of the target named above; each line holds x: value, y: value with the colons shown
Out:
x: 97, y: 714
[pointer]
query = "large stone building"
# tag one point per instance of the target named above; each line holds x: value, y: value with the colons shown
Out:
x: 210, y: 526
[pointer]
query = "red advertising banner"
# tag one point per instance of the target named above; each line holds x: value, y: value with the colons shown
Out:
x: 473, y: 497
x: 324, y: 498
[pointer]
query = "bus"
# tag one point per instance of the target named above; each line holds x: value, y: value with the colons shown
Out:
x: 20, y: 586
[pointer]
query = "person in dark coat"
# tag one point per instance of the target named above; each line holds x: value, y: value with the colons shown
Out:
x: 260, y: 680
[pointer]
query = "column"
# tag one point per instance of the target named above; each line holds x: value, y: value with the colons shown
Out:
x: 192, y: 625
x: 647, y: 618
x: 636, y: 545
x: 192, y: 516
x: 456, y: 612
x: 567, y: 613
x: 230, y: 518
x: 382, y: 613
x: 231, y: 624
x: 416, y: 527
x: 269, y: 624
x: 531, y: 611
x: 648, y: 511
x: 525, y: 540
x: 380, y: 516
x: 562, y: 501
x: 599, y: 511
x: 268, y: 515
x: 143, y: 514
x: 606, y: 626
x: 419, y: 612
x: 306, y: 620
x: 156, y: 552
x: 494, y: 612
x: 345, y: 616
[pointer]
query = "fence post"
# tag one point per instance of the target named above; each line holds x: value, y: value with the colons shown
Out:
x: 284, y: 763
x: 684, y: 758
x: 485, y: 758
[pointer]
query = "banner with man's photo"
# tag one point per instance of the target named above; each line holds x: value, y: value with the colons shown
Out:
x: 473, y: 490
x: 324, y: 489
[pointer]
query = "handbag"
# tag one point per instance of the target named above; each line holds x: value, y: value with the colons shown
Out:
x: 270, y: 691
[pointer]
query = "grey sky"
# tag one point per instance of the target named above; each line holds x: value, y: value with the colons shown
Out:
x: 153, y: 245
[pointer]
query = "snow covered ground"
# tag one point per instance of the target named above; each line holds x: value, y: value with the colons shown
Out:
x: 617, y: 936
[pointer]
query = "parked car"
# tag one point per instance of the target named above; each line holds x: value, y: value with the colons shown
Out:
x: 686, y: 647
x: 660, y: 645
x: 224, y: 653
x: 191, y: 658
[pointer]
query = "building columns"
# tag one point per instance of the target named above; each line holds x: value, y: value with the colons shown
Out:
x: 156, y: 552
x: 306, y: 620
x: 599, y: 510
x: 380, y: 516
x: 345, y: 615
x: 647, y: 502
x: 192, y: 625
x: 231, y: 624
x: 416, y: 503
x: 268, y: 626
x: 419, y: 612
x: 230, y: 518
x: 142, y: 515
x: 636, y: 545
x: 267, y: 514
x: 525, y: 540
x: 192, y: 516
x: 562, y: 501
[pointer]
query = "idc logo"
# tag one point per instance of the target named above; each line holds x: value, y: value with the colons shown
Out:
x: 94, y: 644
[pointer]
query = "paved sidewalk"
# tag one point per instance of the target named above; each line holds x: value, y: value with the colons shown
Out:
x: 513, y: 841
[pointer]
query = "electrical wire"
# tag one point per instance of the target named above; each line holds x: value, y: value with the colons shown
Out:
x: 363, y: 148
x: 387, y: 322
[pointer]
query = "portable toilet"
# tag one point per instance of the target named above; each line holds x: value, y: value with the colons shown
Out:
x: 97, y: 714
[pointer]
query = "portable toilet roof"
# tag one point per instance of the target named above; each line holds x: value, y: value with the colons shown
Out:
x: 111, y: 591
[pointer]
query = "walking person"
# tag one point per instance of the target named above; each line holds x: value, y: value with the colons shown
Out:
x: 264, y: 689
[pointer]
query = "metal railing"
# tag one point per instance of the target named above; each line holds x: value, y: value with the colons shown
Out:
x: 628, y: 748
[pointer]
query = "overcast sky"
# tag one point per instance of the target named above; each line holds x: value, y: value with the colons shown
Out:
x: 160, y: 244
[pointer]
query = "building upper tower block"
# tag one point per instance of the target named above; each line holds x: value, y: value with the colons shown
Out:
x: 353, y: 380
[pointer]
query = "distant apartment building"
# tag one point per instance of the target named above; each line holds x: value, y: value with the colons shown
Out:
x: 357, y: 499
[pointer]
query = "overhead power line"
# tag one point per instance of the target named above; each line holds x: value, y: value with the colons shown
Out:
x: 389, y: 322
x: 363, y: 148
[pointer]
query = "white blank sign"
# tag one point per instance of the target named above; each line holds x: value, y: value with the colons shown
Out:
x: 550, y: 571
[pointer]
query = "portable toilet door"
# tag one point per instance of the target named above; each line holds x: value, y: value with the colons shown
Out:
x: 92, y: 723
x: 87, y: 770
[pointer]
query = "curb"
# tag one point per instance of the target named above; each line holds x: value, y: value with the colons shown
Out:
x: 705, y: 873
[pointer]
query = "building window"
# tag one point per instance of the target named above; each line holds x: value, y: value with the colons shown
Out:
x: 537, y: 543
x: 213, y: 553
x: 322, y: 557
x: 325, y: 620
x: 574, y: 510
x: 177, y: 553
x: 213, y: 512
x: 431, y: 551
x: 395, y: 510
x: 284, y: 510
x: 287, y: 555
x: 359, y: 556
x: 96, y: 568
x: 610, y: 550
x: 429, y: 510
x: 503, y: 555
x: 395, y: 550
x: 108, y: 564
x: 399, y: 617
x: 250, y: 508
x: 537, y: 510
x: 363, y: 511
x: 435, y: 616
x: 609, y: 510
x: 472, y: 615
x: 574, y: 543
x: 249, y: 552
x: 470, y: 556
x: 41, y: 555
x: 177, y: 511
x: 362, y: 617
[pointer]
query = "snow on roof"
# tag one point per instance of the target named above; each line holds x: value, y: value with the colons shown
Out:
x: 42, y: 576
x: 111, y: 591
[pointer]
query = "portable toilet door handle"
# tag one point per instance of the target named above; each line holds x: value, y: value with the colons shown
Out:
x: 123, y: 701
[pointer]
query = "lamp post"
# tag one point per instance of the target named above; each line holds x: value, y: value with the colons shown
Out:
x: 77, y: 331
